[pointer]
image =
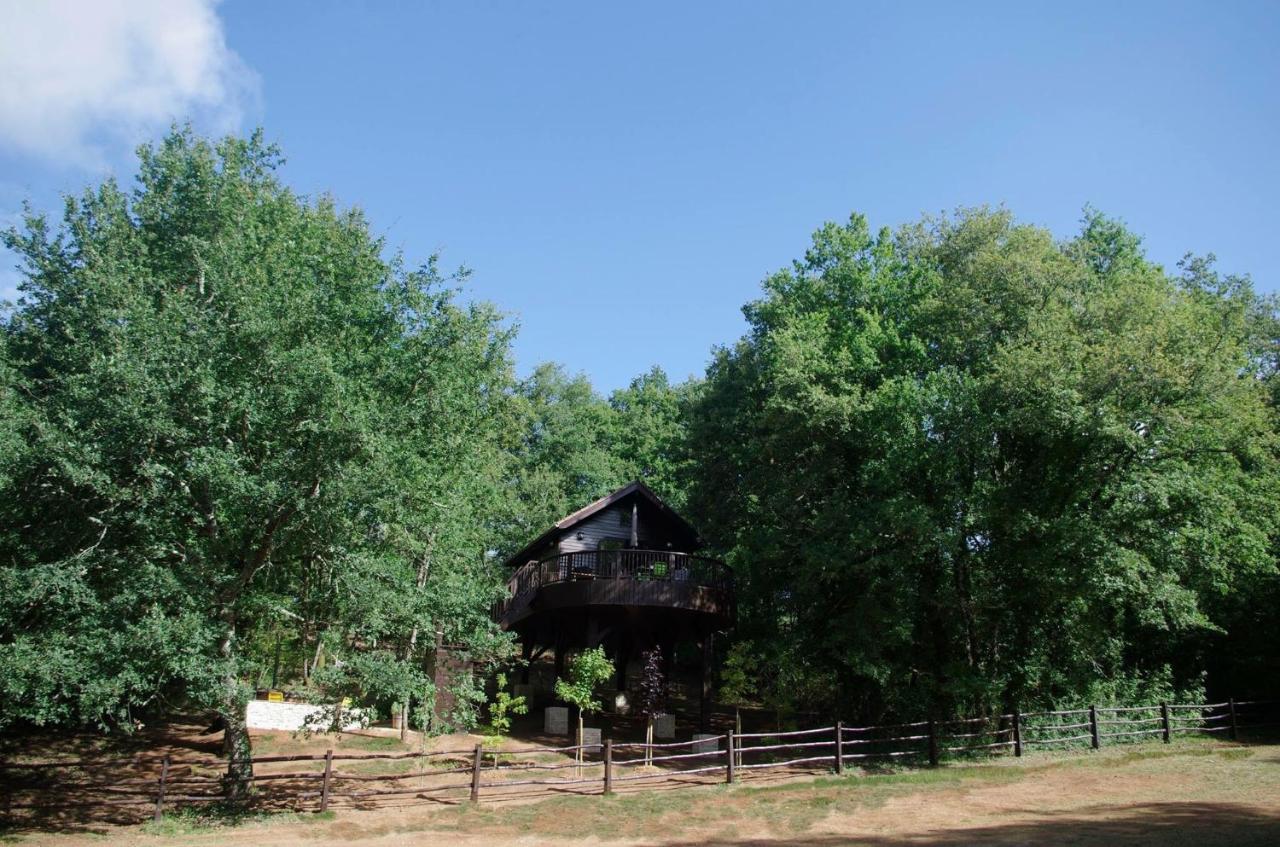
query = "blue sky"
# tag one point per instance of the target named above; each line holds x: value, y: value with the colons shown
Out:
x: 620, y: 178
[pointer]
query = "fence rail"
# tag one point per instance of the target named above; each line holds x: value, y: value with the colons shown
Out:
x: 472, y: 772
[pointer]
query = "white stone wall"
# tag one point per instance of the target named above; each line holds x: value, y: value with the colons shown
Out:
x: 263, y: 714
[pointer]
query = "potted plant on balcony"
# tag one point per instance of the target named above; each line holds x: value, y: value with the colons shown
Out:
x: 586, y: 670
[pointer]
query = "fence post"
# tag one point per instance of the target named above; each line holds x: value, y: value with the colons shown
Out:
x: 839, y: 747
x: 933, y: 742
x: 475, y: 773
x: 728, y: 776
x: 1017, y: 732
x: 1093, y: 727
x: 328, y: 776
x: 608, y: 766
x: 1164, y: 721
x: 737, y: 727
x: 164, y: 776
x: 1235, y: 731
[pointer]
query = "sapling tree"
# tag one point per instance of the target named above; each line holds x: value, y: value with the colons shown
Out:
x: 586, y: 670
x: 651, y: 699
x: 504, y: 705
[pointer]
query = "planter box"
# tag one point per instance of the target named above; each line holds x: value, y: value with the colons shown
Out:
x: 556, y: 720
x: 664, y: 726
x: 706, y: 743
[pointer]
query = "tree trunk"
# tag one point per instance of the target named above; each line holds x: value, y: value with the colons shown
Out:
x: 424, y: 567
x: 235, y: 739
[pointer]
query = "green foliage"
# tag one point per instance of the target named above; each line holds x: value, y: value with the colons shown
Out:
x: 587, y: 670
x: 504, y: 706
x: 235, y: 422
x: 574, y: 446
x: 962, y: 465
x: 651, y: 699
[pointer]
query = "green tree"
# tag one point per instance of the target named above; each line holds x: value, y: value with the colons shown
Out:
x: 235, y: 412
x: 649, y: 433
x: 963, y: 465
x: 587, y: 670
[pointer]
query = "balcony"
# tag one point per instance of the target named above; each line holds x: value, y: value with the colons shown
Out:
x: 660, y: 579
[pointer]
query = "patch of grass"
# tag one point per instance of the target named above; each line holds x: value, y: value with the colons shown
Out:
x: 373, y: 743
x: 191, y: 821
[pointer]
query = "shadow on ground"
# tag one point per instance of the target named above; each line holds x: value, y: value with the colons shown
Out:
x: 1200, y: 824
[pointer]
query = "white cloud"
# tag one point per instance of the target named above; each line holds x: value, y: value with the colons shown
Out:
x: 79, y: 79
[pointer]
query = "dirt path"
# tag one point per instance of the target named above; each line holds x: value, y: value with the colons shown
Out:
x: 1197, y: 795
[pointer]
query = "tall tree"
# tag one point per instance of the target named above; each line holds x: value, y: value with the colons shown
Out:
x: 226, y: 389
x: 649, y: 438
x: 962, y: 465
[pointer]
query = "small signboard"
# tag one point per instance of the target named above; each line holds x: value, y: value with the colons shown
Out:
x: 275, y: 696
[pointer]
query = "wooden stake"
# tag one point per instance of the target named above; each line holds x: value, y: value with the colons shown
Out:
x: 1164, y: 721
x: 1093, y: 727
x: 1017, y: 733
x: 164, y: 776
x: 1235, y: 731
x: 933, y: 742
x: 328, y: 777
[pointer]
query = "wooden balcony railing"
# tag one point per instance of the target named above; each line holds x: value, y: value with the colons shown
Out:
x: 658, y: 566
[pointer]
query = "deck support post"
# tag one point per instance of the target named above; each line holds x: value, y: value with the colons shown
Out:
x: 526, y: 653
x: 708, y: 659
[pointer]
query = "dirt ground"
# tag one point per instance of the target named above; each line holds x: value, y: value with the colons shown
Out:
x: 1192, y: 793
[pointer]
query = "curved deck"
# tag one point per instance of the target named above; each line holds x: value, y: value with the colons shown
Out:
x: 659, y: 579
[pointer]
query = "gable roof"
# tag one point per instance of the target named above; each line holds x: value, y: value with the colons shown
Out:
x: 573, y: 519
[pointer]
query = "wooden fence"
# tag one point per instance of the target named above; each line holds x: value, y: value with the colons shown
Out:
x: 149, y: 786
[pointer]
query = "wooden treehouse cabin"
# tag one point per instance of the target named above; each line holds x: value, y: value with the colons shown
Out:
x: 622, y: 573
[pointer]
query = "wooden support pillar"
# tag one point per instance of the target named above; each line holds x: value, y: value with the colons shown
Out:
x: 559, y: 657
x: 526, y: 653
x: 624, y: 653
x: 708, y: 660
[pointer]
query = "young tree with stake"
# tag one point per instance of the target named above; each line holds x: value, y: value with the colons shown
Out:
x: 586, y: 670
